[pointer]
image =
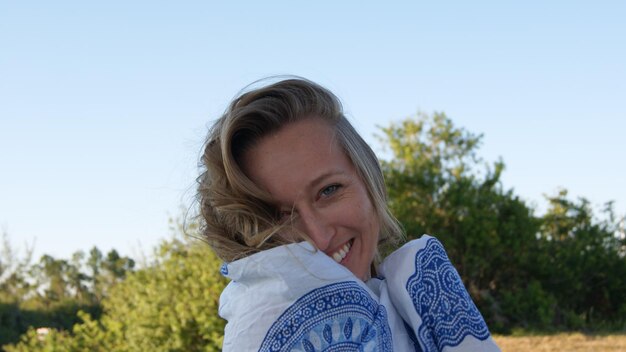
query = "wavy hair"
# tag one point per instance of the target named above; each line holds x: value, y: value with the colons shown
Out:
x: 237, y: 217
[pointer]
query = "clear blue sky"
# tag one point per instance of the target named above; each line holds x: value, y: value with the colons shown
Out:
x: 104, y: 105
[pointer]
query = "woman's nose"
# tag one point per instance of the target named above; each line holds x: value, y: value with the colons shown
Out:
x: 317, y: 227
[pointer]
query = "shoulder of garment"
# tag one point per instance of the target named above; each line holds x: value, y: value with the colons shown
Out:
x: 429, y: 294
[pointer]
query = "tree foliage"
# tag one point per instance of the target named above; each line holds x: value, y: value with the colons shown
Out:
x: 586, y: 256
x: 520, y: 268
x: 170, y: 305
x: 50, y: 292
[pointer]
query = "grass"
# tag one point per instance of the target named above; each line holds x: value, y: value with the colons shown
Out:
x: 562, y: 342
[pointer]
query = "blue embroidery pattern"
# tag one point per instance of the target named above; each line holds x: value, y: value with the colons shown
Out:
x: 338, y: 317
x: 224, y: 269
x: 439, y: 297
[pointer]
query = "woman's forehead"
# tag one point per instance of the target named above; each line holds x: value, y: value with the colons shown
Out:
x: 296, y: 157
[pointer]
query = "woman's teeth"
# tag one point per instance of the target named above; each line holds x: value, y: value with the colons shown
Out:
x: 342, y: 252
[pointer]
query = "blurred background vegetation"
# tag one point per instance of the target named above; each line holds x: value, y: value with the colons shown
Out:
x: 562, y: 270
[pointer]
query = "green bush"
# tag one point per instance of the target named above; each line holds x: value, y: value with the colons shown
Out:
x: 530, y: 307
x: 171, y: 305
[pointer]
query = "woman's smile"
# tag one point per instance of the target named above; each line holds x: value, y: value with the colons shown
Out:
x: 342, y: 253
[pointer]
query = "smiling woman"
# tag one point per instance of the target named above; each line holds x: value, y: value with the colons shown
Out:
x: 293, y: 200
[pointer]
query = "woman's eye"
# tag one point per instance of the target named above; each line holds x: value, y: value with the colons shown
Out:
x: 329, y: 190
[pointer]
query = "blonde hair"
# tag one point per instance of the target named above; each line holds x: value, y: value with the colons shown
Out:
x: 237, y: 216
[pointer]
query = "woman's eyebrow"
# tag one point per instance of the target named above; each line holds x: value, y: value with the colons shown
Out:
x: 319, y: 179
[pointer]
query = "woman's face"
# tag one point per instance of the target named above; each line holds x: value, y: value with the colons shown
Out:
x: 309, y: 176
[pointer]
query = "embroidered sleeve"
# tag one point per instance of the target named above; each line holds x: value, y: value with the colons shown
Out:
x: 430, y: 296
x: 338, y: 317
x: 440, y: 299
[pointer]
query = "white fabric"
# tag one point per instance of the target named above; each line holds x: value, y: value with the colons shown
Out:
x: 295, y: 298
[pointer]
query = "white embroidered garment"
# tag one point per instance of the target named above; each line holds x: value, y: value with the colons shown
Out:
x: 295, y: 298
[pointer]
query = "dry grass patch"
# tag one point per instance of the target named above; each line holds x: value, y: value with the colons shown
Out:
x: 562, y: 342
